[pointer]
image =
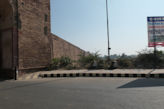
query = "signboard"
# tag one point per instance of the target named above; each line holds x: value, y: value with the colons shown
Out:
x: 155, y: 31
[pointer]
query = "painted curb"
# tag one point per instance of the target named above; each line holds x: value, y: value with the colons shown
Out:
x: 101, y: 75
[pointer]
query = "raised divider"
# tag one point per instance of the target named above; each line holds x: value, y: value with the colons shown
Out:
x: 101, y: 75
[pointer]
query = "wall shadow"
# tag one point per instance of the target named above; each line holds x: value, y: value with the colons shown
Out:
x: 27, y: 84
x: 144, y: 82
x: 1, y: 80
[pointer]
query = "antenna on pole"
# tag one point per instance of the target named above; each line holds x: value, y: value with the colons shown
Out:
x: 107, y: 15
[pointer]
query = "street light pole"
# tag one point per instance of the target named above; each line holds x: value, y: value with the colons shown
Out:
x: 107, y: 15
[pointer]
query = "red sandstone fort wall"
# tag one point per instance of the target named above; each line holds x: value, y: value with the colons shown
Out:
x: 34, y: 42
x: 64, y: 48
x: 36, y: 45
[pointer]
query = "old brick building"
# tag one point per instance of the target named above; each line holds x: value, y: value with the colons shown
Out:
x: 26, y: 42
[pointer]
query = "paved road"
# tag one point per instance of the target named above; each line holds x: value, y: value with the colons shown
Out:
x: 83, y: 93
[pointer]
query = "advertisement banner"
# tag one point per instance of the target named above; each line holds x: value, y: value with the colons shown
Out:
x: 155, y: 31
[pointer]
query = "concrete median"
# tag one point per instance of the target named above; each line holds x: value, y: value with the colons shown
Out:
x: 127, y: 73
x: 101, y: 75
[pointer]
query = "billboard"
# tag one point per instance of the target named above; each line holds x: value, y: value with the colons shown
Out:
x: 155, y: 31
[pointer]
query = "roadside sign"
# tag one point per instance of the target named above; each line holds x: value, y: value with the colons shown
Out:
x: 155, y: 31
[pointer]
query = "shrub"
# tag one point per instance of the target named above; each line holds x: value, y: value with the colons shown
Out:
x: 125, y: 63
x: 54, y: 64
x: 65, y: 61
x: 147, y: 59
x: 91, y: 61
x: 144, y: 59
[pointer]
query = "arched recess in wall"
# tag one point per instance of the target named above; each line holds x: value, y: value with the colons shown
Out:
x: 6, y: 36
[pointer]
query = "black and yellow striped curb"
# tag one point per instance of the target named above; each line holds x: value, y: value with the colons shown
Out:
x: 101, y: 75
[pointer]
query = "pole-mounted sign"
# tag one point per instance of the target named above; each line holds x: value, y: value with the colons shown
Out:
x: 155, y: 34
x: 155, y: 31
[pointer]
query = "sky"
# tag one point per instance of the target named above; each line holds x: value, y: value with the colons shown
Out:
x: 83, y: 23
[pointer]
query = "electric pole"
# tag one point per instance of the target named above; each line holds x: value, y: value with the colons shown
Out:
x: 107, y: 15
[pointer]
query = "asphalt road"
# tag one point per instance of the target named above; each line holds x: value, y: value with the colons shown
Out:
x: 83, y: 93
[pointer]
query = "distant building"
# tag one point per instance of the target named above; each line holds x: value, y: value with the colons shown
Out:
x: 26, y: 42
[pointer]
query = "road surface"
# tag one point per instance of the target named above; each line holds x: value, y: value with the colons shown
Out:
x: 83, y: 93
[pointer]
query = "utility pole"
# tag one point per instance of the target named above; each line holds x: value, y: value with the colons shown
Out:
x: 107, y: 15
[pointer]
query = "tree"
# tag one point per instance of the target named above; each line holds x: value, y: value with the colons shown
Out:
x: 147, y: 59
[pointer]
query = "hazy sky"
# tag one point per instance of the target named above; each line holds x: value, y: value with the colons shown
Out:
x: 83, y: 23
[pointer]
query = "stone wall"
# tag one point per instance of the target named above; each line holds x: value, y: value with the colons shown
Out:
x: 64, y: 48
x: 34, y: 44
x: 6, y: 26
x: 26, y: 42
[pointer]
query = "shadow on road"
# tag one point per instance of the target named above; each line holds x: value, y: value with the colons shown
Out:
x: 27, y: 84
x: 144, y: 83
x: 4, y: 79
x: 1, y: 80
